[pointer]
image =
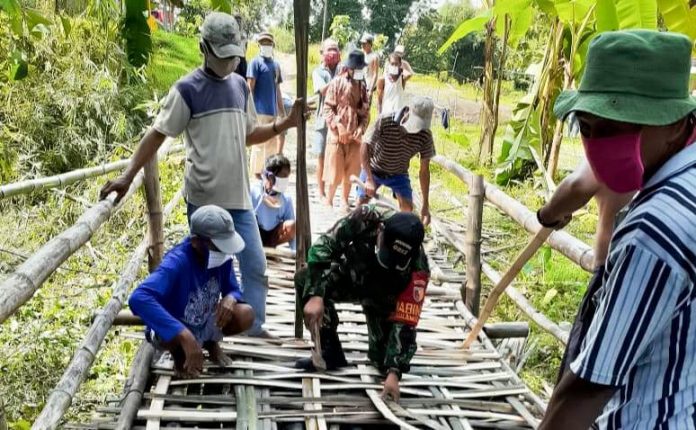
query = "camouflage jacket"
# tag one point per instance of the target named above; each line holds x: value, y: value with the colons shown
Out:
x: 342, y: 266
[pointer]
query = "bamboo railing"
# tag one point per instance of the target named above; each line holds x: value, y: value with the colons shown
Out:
x: 20, y: 285
x: 61, y: 397
x: 573, y: 248
x: 68, y: 178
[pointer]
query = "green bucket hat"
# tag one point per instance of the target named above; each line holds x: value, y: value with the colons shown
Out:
x: 634, y: 76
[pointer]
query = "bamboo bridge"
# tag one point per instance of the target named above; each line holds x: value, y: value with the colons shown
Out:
x: 448, y: 387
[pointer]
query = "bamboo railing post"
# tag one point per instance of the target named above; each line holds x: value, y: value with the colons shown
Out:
x: 153, y: 197
x: 471, y: 290
x: 304, y: 231
x: 3, y: 419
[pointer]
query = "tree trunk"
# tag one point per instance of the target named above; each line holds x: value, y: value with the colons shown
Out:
x: 499, y: 82
x: 486, y: 140
x: 555, y: 150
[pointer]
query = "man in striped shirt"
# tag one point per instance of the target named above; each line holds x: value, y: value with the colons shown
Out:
x: 636, y: 368
x: 386, y: 154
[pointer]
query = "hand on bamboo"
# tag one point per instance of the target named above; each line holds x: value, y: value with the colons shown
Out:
x: 391, y: 387
x: 299, y: 111
x: 314, y: 312
x: 224, y: 311
x: 120, y: 185
x: 193, y: 364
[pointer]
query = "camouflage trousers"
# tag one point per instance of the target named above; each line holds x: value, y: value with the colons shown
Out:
x: 379, y: 328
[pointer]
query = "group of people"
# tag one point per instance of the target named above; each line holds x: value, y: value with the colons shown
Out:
x: 194, y: 298
x: 631, y: 356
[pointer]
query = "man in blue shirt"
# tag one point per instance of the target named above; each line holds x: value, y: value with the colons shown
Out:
x: 264, y: 77
x: 636, y: 366
x: 193, y: 298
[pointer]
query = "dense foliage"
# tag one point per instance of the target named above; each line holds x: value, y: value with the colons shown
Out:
x: 76, y: 102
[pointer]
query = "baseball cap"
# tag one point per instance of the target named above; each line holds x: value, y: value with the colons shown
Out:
x: 367, y: 38
x: 215, y: 223
x: 266, y: 36
x: 222, y: 33
x: 402, y: 238
x: 420, y: 114
x: 328, y: 44
x: 400, y: 50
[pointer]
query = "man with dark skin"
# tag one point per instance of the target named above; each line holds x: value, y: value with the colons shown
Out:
x: 636, y: 360
x: 192, y: 299
x: 213, y: 109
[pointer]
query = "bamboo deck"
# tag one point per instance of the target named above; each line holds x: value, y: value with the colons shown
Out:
x: 447, y: 388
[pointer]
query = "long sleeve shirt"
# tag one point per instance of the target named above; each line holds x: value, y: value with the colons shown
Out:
x: 346, y: 103
x: 342, y: 266
x: 183, y: 293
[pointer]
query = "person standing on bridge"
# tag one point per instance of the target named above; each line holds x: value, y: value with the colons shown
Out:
x: 212, y: 106
x: 192, y: 299
x: 635, y: 366
x: 371, y: 70
x: 386, y: 154
x: 321, y: 77
x: 347, y: 113
x: 264, y: 77
x: 373, y: 256
x: 391, y: 88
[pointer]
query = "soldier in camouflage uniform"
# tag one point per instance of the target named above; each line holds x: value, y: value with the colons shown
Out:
x: 373, y: 256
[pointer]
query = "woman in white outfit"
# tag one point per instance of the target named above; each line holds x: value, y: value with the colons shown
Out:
x: 391, y: 96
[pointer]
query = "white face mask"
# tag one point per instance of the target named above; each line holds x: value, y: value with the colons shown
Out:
x: 217, y: 259
x: 393, y: 70
x: 358, y: 75
x: 266, y: 51
x: 281, y: 184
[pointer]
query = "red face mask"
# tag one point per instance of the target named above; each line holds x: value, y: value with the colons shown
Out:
x: 616, y: 161
x: 331, y: 59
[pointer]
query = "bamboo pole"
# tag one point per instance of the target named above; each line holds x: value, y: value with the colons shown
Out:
x: 573, y: 248
x: 133, y: 392
x: 492, y: 300
x: 304, y: 230
x: 65, y: 179
x: 153, y: 198
x: 20, y: 285
x: 471, y: 290
x: 61, y: 397
x: 518, y: 298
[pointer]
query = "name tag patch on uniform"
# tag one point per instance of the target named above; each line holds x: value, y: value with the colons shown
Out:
x: 410, y: 301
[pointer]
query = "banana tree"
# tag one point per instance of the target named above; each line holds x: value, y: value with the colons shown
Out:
x: 511, y: 19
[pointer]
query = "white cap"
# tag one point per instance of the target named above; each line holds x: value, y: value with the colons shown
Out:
x: 222, y: 33
x: 420, y: 114
x: 214, y: 223
x: 400, y: 49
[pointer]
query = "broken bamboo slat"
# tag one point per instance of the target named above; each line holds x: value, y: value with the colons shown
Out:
x: 573, y: 248
x: 61, y: 397
x: 20, y: 285
x: 65, y: 179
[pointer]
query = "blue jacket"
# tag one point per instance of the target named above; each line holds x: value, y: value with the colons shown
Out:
x: 182, y: 293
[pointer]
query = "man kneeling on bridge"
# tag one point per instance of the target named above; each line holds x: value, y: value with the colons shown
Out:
x: 374, y: 256
x: 193, y: 298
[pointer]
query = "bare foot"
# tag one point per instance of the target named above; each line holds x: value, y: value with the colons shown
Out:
x: 345, y: 207
x: 328, y: 202
x: 217, y: 355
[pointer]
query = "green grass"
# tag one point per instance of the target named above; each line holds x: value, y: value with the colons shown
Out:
x: 174, y: 57
x: 468, y: 91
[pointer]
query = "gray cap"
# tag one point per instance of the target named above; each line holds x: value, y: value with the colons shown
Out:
x: 420, y: 114
x: 222, y: 33
x: 215, y: 223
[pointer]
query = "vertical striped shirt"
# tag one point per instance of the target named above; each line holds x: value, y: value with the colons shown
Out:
x: 391, y: 147
x: 642, y: 339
